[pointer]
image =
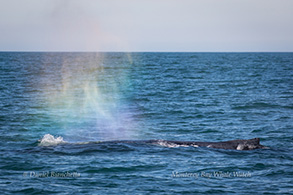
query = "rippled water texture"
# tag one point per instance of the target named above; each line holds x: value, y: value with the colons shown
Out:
x: 84, y: 98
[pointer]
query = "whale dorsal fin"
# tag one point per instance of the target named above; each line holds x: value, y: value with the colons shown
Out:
x: 253, y: 141
x: 257, y: 140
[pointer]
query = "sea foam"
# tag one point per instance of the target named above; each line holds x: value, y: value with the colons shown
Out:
x: 50, y: 140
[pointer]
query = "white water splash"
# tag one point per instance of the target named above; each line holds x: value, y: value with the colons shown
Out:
x: 173, y: 145
x: 50, y: 140
x: 166, y: 144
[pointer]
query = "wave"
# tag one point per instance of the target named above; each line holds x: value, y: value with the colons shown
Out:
x: 256, y: 105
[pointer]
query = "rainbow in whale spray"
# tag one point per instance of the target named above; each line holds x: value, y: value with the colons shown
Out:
x: 86, y: 99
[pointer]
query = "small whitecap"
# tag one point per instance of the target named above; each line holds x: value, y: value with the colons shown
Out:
x: 50, y: 140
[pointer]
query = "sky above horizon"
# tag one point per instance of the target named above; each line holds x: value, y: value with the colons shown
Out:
x: 147, y: 25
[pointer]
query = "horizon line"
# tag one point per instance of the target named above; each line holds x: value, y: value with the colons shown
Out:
x: 60, y: 51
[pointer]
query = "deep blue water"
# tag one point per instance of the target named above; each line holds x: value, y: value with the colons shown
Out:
x: 86, y: 97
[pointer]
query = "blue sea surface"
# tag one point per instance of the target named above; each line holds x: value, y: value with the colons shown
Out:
x: 56, y: 107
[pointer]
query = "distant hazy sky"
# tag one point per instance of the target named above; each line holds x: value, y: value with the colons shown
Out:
x: 146, y: 25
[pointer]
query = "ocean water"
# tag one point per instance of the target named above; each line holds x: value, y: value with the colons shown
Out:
x: 56, y: 107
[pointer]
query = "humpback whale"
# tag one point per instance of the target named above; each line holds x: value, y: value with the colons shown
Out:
x: 239, y: 144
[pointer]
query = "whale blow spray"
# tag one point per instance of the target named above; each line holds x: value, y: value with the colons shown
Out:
x: 85, y: 98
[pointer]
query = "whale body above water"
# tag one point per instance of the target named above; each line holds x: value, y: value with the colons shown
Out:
x: 239, y: 144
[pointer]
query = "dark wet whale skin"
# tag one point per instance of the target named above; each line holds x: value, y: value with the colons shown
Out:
x: 240, y: 144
